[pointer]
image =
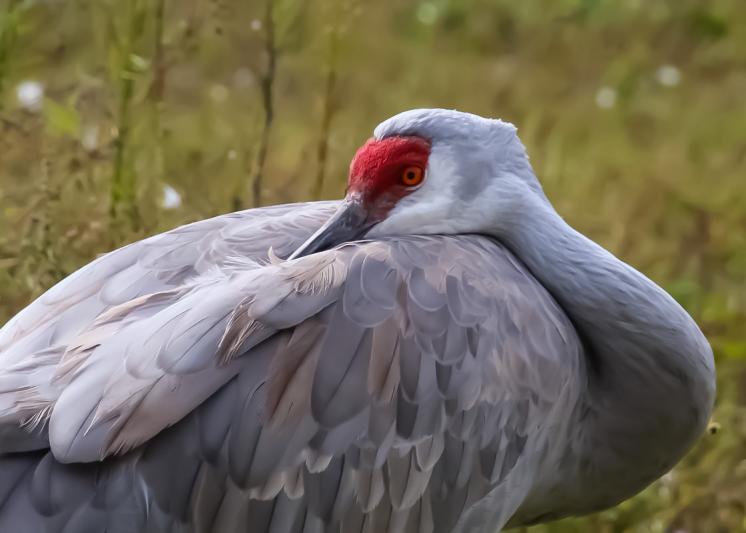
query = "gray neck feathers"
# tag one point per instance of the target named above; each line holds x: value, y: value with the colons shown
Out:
x: 650, y: 372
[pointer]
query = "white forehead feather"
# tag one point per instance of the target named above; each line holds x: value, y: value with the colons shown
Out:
x: 446, y: 125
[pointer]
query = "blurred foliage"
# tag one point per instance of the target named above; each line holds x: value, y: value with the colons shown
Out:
x: 632, y: 110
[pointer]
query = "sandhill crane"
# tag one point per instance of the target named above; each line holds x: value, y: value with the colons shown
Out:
x: 443, y: 353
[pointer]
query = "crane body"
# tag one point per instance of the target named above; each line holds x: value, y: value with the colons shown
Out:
x: 437, y: 352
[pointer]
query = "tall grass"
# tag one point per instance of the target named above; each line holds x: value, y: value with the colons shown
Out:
x: 9, y: 17
x: 266, y: 83
x: 123, y: 208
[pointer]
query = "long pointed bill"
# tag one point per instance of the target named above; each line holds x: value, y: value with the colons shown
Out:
x: 349, y: 223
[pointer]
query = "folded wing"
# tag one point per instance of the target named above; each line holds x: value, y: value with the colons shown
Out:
x: 398, y: 385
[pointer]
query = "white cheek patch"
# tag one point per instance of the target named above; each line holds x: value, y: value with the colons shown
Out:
x: 442, y: 172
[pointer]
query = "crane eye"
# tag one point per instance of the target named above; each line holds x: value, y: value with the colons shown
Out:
x: 412, y: 176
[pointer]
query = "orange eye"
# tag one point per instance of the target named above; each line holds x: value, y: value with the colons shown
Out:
x: 411, y: 176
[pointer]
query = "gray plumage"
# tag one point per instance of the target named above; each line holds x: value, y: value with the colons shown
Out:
x: 194, y: 382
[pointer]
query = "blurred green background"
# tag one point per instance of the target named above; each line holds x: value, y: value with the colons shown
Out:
x: 122, y: 118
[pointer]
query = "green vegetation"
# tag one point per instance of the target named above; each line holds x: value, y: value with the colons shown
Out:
x: 633, y: 113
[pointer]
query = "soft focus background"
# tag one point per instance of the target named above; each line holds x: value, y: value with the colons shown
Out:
x: 122, y: 118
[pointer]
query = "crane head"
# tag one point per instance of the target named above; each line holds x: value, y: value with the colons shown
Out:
x: 429, y: 171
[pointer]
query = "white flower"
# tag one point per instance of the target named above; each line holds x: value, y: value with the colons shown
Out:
x: 606, y: 97
x: 668, y: 75
x: 89, y: 138
x: 30, y: 95
x: 171, y: 198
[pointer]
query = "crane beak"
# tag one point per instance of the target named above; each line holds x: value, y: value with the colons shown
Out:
x: 349, y: 223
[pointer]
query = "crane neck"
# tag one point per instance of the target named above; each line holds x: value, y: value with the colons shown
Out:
x: 650, y: 372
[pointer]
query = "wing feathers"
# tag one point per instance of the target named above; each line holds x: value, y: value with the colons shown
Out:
x: 381, y: 386
x: 339, y: 386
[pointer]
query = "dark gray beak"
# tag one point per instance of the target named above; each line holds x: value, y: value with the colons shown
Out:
x: 349, y: 223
